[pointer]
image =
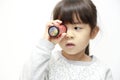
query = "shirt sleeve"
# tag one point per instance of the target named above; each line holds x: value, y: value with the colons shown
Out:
x: 108, y: 75
x: 37, y: 66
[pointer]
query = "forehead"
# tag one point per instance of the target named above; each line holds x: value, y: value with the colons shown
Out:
x: 72, y: 18
x: 76, y: 18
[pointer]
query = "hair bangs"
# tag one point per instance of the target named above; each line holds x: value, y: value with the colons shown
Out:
x: 72, y: 11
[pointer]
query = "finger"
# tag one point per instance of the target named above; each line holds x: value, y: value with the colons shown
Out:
x: 62, y: 36
x: 50, y: 23
x: 57, y: 22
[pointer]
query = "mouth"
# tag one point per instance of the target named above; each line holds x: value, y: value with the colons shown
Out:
x: 70, y: 45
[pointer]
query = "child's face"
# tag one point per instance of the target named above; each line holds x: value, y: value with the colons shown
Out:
x: 76, y: 39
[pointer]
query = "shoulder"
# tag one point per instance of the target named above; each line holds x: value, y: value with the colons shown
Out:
x: 100, y: 64
x: 103, y: 68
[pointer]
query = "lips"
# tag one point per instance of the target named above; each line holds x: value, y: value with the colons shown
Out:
x: 70, y: 45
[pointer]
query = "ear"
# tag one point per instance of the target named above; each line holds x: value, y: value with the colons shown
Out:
x: 94, y: 32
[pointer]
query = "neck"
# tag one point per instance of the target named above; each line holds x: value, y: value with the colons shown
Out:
x: 77, y: 57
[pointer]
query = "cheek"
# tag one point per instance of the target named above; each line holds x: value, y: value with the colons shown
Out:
x: 83, y: 40
x: 83, y: 37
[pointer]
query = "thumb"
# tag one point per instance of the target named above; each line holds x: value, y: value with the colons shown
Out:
x: 62, y: 36
x: 57, y: 40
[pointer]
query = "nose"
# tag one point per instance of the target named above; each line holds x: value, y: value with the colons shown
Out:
x: 69, y: 34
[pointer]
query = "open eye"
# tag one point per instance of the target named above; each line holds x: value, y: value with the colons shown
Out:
x: 77, y: 28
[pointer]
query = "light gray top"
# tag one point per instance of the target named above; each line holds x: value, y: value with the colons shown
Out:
x: 46, y: 64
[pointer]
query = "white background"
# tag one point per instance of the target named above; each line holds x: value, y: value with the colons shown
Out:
x: 22, y: 24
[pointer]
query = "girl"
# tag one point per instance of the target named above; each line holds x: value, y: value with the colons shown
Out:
x: 73, y: 62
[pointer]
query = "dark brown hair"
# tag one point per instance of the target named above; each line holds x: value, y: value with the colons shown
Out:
x: 84, y: 10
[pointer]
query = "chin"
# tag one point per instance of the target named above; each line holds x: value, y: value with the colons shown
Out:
x: 70, y: 52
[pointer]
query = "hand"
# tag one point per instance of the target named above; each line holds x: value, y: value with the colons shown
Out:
x: 46, y: 35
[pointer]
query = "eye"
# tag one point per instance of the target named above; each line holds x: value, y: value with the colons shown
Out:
x: 77, y: 28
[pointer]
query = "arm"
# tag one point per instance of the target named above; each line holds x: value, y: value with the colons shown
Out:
x: 37, y: 67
